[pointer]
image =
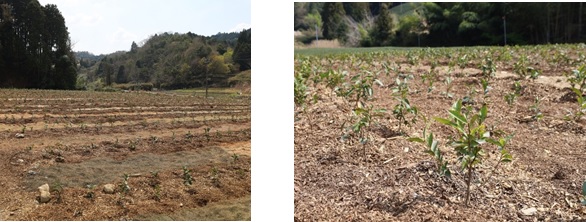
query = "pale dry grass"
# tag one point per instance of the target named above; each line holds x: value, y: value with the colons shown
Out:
x: 319, y: 44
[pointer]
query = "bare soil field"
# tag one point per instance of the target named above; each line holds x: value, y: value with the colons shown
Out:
x: 168, y: 156
x: 345, y: 171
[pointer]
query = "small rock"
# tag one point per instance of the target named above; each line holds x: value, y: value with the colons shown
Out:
x: 406, y: 149
x: 109, y: 188
x: 180, y: 204
x: 20, y: 160
x: 30, y: 172
x: 529, y: 211
x: 45, y: 195
x: 20, y: 135
x: 44, y: 187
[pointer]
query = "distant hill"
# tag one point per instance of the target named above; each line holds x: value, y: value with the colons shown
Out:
x: 169, y: 61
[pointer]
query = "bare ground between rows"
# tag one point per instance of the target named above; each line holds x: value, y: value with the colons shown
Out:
x: 214, y: 184
x: 396, y: 181
x: 108, y: 161
x: 99, y: 121
x: 80, y: 136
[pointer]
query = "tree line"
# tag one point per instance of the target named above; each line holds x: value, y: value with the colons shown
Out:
x: 170, y: 61
x: 443, y: 24
x: 35, y: 48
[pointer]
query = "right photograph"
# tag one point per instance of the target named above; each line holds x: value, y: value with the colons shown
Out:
x: 460, y: 111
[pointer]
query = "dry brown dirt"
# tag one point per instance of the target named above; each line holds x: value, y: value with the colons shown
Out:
x: 77, y: 146
x: 392, y: 179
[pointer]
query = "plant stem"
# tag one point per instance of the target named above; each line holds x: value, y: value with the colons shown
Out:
x: 468, y: 184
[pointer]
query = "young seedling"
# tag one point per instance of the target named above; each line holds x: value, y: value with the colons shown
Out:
x: 472, y: 134
x: 448, y: 82
x: 511, y: 97
x: 581, y: 111
x: 124, y: 185
x: 187, y: 179
x: 404, y: 107
x: 533, y: 73
x: 361, y: 88
x: 537, y: 115
x: 207, y: 133
x: 433, y: 150
x: 401, y: 110
x: 578, y: 77
x: 300, y: 90
x: 214, y: 177
x: 365, y: 116
x: 430, y: 77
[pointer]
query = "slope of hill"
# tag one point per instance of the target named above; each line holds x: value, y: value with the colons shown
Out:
x: 169, y: 61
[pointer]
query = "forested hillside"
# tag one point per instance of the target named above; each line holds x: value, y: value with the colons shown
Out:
x: 35, y: 49
x: 442, y: 24
x: 170, y: 61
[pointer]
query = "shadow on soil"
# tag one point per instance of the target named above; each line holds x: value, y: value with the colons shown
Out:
x: 101, y: 170
x: 232, y: 210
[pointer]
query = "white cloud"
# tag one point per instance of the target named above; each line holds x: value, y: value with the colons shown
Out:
x: 86, y: 20
x: 122, y: 35
x: 240, y: 27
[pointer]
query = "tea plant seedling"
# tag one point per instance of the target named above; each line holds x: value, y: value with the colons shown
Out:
x: 214, y: 177
x: 578, y: 77
x: 207, y: 133
x: 124, y: 185
x: 433, y: 150
x: 581, y: 111
x: 401, y: 110
x: 472, y: 134
x: 537, y: 115
x: 365, y: 118
x: 448, y: 82
x: 300, y: 90
x: 187, y: 179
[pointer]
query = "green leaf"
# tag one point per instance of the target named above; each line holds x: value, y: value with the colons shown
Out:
x: 483, y: 113
x: 415, y: 139
x: 445, y: 121
x: 457, y: 115
x: 430, y: 152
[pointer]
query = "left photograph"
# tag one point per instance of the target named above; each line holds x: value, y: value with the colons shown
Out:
x: 125, y: 110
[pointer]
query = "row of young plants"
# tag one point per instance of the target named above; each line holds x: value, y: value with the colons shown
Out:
x: 471, y: 135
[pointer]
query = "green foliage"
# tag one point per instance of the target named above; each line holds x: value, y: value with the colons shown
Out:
x: 300, y: 90
x: 360, y: 89
x: 433, y: 150
x: 187, y: 179
x: 578, y: 77
x: 242, y: 51
x: 35, y: 47
x: 488, y: 68
x: 382, y: 34
x: 334, y: 26
x: 472, y: 134
x: 581, y: 111
x: 365, y: 117
x: 537, y: 115
x: 402, y: 109
x: 511, y: 97
x: 124, y: 185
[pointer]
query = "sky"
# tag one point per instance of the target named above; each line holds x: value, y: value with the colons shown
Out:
x: 106, y: 26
